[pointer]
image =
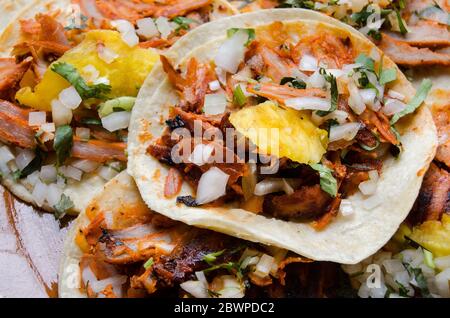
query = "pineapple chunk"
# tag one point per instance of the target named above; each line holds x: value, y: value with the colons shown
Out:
x: 285, y: 132
x: 125, y: 74
x: 434, y: 236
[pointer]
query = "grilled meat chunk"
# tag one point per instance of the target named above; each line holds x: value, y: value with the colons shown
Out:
x: 434, y: 196
x: 306, y: 202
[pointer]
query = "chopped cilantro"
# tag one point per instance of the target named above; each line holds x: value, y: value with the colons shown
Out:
x: 415, y: 103
x: 239, y: 96
x: 61, y: 208
x: 250, y: 32
x: 327, y: 181
x: 212, y: 257
x: 63, y: 143
x: 70, y: 73
x: 148, y: 263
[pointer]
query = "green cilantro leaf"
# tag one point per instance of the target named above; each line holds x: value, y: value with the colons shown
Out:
x: 293, y: 82
x: 239, y: 96
x: 212, y: 257
x: 388, y: 76
x: 334, y: 92
x: 366, y: 61
x: 63, y: 143
x: 251, y: 34
x: 327, y: 181
x: 415, y: 103
x: 148, y: 263
x: 70, y: 73
x: 61, y: 208
x: 183, y: 23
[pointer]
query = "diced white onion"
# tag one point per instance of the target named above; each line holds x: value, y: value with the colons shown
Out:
x: 346, y: 208
x: 5, y: 157
x: 106, y: 54
x: 122, y: 25
x: 83, y: 133
x: 368, y: 95
x: 37, y: 118
x: 355, y: 100
x: 61, y: 114
x: 442, y: 262
x: 378, y: 292
x: 221, y: 75
x: 85, y: 165
x: 271, y: 185
x: 393, y: 266
x: 249, y: 261
x: 443, y: 283
x: 316, y: 80
x: 201, y: 277
x: 70, y: 98
x: 196, y: 288
x: 147, y: 28
x: 48, y: 173
x: 374, y: 175
x: 91, y: 73
x: 346, y: 131
x: 48, y: 127
x: 308, y: 63
x: 60, y: 181
x: 369, y: 187
x: 6, y: 154
x: 232, y: 51
x: 212, y: 185
x: 24, y: 157
x: 215, y: 104
x: 374, y: 54
x: 39, y: 193
x: 116, y: 121
x: 164, y: 27
x: 264, y: 266
x: 396, y: 95
x: 336, y: 72
x: 339, y: 115
x: 107, y: 173
x: 312, y: 103
x: 130, y: 38
x: 54, y: 194
x: 232, y: 288
x: 393, y: 106
x: 102, y: 80
x: 71, y: 172
x: 348, y: 68
x: 201, y: 154
x: 214, y: 85
x: 33, y: 178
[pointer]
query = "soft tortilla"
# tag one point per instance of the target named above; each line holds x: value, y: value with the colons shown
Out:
x: 346, y: 240
x: 119, y: 192
x: 81, y: 192
x: 91, y: 184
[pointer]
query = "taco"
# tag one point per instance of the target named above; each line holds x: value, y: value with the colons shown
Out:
x: 412, y: 33
x: 70, y: 73
x: 119, y: 248
x: 352, y: 142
